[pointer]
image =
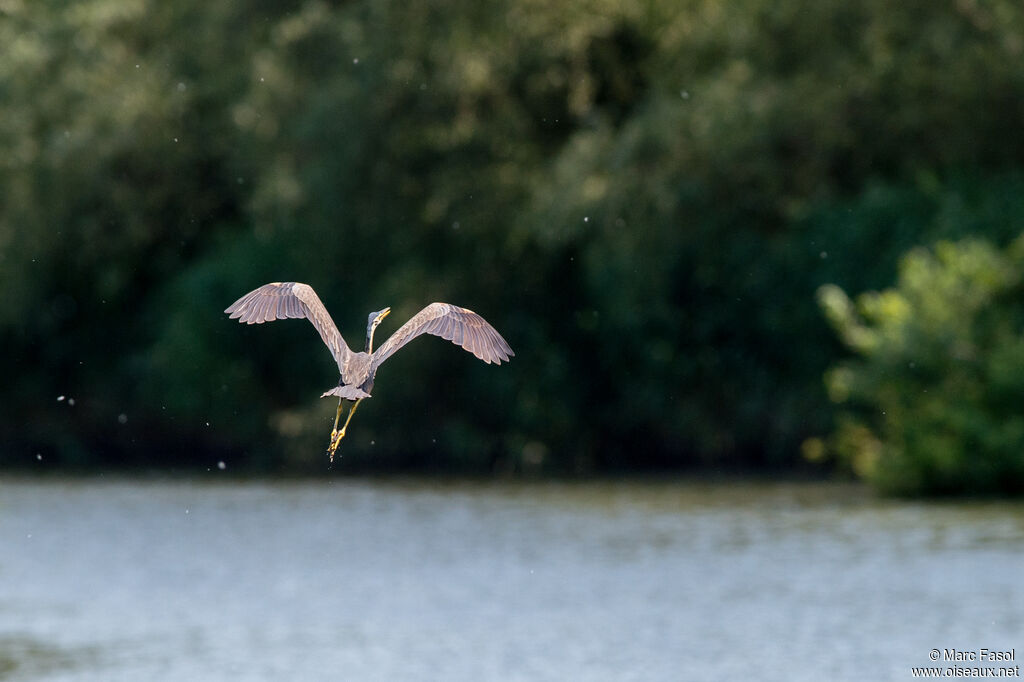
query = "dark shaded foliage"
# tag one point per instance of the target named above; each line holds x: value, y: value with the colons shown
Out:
x: 643, y: 198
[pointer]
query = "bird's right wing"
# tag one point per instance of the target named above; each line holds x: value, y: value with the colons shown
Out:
x: 283, y: 300
x: 461, y: 326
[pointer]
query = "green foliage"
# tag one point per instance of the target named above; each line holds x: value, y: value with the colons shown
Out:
x: 934, y: 395
x: 643, y: 197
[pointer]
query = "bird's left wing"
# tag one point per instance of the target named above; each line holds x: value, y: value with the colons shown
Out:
x: 284, y: 300
x: 460, y: 326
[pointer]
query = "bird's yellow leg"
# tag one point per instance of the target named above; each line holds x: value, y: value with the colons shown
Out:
x: 337, y: 435
x: 335, y: 438
x: 336, y: 418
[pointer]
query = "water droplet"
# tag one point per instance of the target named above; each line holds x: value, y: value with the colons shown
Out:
x: 71, y: 402
x: 823, y: 255
x: 122, y: 418
x: 221, y: 465
x: 60, y: 398
x: 181, y: 87
x: 355, y: 60
x: 685, y: 94
x: 39, y: 456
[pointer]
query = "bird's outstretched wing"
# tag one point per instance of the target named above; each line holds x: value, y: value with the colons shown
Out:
x: 283, y: 300
x: 460, y: 326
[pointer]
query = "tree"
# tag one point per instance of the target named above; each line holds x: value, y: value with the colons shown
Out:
x: 932, y: 400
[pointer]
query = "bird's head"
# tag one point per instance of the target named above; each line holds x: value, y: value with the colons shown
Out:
x: 371, y: 324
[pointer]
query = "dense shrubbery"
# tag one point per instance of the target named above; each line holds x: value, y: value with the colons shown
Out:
x: 642, y: 197
x: 935, y: 393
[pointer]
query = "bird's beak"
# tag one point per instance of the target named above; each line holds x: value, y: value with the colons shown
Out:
x: 382, y: 314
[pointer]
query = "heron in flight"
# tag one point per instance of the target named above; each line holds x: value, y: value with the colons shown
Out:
x: 282, y: 300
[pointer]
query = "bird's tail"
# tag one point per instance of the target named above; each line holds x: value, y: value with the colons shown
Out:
x: 346, y: 392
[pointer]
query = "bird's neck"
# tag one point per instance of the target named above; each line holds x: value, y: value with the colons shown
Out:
x: 369, y: 342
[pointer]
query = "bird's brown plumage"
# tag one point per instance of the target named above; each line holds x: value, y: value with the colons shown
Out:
x: 460, y: 326
x: 283, y: 300
x: 291, y: 300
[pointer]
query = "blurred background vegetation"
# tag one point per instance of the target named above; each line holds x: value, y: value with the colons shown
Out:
x: 660, y: 205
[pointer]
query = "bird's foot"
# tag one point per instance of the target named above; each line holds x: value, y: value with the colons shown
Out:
x: 336, y: 437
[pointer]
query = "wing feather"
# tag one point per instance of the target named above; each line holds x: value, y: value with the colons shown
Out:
x: 261, y: 310
x: 291, y: 300
x: 461, y: 326
x: 290, y: 305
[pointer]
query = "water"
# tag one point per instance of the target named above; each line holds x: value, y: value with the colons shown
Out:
x: 193, y: 580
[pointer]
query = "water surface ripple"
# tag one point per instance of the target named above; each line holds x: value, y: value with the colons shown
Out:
x: 355, y: 580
